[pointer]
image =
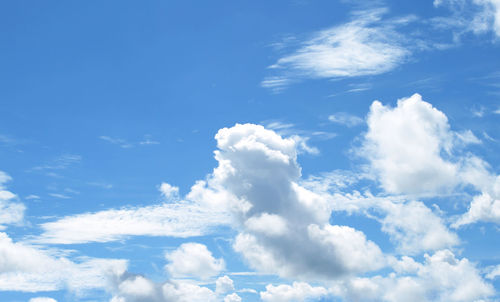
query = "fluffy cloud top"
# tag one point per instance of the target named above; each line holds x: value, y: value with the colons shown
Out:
x: 404, y: 146
x: 299, y: 291
x: 193, y: 260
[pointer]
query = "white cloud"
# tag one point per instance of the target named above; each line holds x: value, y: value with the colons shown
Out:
x: 404, y: 147
x: 270, y: 225
x: 42, y: 299
x: 483, y: 208
x: 61, y: 162
x: 493, y: 272
x: 442, y: 277
x: 169, y: 192
x: 193, y: 260
x: 365, y: 46
x: 223, y: 285
x: 477, y: 16
x: 30, y: 269
x: 134, y: 288
x: 283, y: 226
x: 11, y: 210
x: 176, y: 220
x: 232, y: 298
x: 299, y: 291
x: 415, y: 228
x: 345, y: 119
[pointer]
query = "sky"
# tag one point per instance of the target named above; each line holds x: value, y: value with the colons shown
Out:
x: 155, y: 151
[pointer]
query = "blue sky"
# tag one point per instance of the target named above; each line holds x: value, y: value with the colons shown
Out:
x: 249, y: 151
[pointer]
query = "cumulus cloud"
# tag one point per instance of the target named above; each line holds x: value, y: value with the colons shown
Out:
x: 232, y: 298
x: 365, y: 46
x: 42, y: 299
x: 441, y: 277
x: 283, y: 226
x: 412, y: 150
x: 298, y: 291
x: 193, y: 260
x: 404, y: 147
x: 135, y: 288
x: 223, y: 285
x: 415, y: 228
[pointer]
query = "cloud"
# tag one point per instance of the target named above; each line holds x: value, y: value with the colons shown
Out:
x: 193, y: 260
x: 415, y: 228
x: 11, y: 210
x: 442, y: 277
x: 136, y: 288
x: 169, y: 192
x: 365, y: 46
x: 484, y: 207
x: 283, y: 227
x: 404, y: 147
x: 61, y: 162
x: 42, y: 299
x: 122, y: 143
x: 176, y: 220
x: 299, y: 291
x: 345, y: 119
x: 476, y: 16
x: 223, y: 285
x: 232, y: 298
x: 116, y: 141
x: 31, y: 269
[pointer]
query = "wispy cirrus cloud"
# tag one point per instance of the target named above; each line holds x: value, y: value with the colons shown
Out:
x: 476, y: 16
x: 125, y: 144
x: 61, y: 162
x: 367, y: 45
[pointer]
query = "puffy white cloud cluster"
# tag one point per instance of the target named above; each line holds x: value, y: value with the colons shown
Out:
x: 284, y: 223
x: 405, y: 145
x: 442, y: 277
x: 298, y: 291
x: 412, y: 151
x: 193, y: 260
x: 284, y: 227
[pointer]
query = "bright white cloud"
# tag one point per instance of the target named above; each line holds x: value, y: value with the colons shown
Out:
x: 223, y: 285
x: 30, y: 269
x: 42, y: 299
x: 365, y: 46
x: 404, y: 147
x: 415, y: 228
x: 134, y: 288
x: 442, y: 277
x: 169, y: 192
x: 477, y: 16
x: 232, y: 298
x: 283, y: 226
x: 193, y: 260
x: 299, y: 291
x: 176, y: 220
